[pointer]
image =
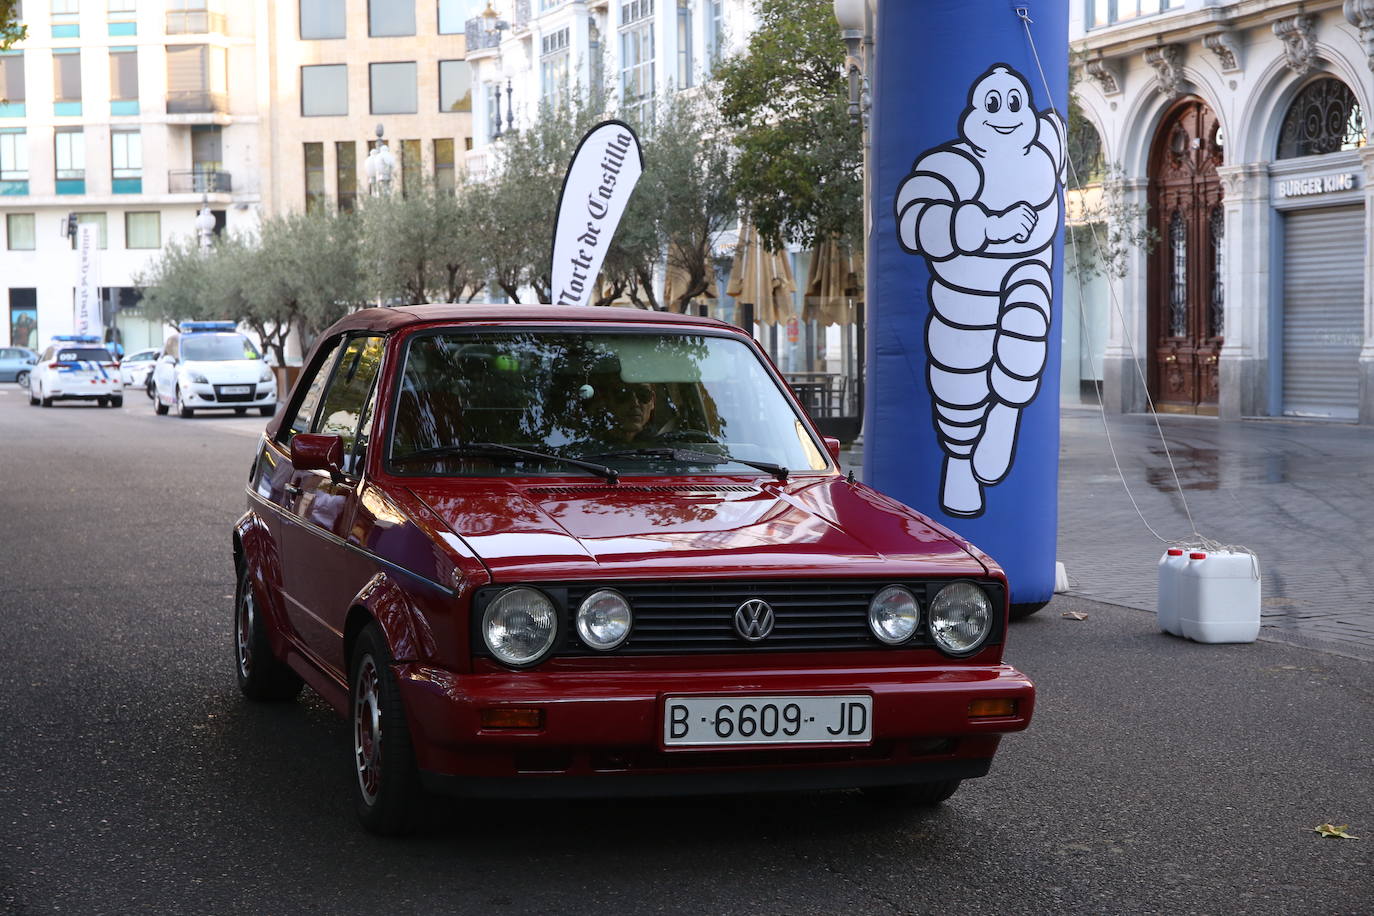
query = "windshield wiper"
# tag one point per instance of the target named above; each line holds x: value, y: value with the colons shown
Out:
x: 692, y: 456
x: 487, y: 448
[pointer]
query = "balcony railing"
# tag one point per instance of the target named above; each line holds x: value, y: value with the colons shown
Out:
x: 199, y: 181
x: 478, y: 38
x: 196, y: 101
x: 521, y: 15
x: 194, y: 22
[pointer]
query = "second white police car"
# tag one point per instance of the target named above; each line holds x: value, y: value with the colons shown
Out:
x: 209, y: 365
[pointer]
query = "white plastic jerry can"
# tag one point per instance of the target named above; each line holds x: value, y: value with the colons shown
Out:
x: 1167, y: 602
x: 1220, y: 597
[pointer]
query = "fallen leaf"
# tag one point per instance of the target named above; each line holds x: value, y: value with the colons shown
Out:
x: 1074, y: 615
x: 1330, y: 830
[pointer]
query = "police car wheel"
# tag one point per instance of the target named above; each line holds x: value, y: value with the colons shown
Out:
x: 33, y: 398
x: 116, y: 402
x: 103, y: 402
x: 44, y: 399
x: 268, y: 411
x: 182, y: 409
x: 240, y: 411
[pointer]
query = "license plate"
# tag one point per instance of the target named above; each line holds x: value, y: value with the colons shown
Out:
x: 236, y: 389
x: 707, y: 721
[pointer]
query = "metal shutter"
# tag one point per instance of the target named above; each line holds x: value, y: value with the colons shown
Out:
x: 1323, y: 312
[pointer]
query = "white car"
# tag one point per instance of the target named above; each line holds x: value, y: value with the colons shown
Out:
x: 211, y: 366
x: 76, y: 368
x: 135, y: 368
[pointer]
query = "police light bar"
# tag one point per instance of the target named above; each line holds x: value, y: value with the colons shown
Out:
x: 77, y: 338
x: 188, y: 327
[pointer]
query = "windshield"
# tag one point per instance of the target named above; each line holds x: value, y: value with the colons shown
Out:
x: 217, y: 347
x: 648, y: 403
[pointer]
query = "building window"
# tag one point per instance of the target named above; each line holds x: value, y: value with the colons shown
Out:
x: 126, y: 161
x: 101, y: 225
x: 390, y: 17
x: 1105, y: 12
x: 684, y: 47
x: 346, y: 174
x: 324, y: 90
x: 196, y: 77
x: 12, y: 91
x: 493, y: 101
x: 122, y: 6
x: 70, y: 147
x: 455, y: 85
x: 123, y: 81
x: 411, y: 165
x: 1324, y: 118
x: 314, y: 178
x: 66, y: 77
x: 322, y: 19
x: 715, y: 30
x: 19, y: 231
x: 445, y: 174
x: 452, y: 17
x: 553, y: 67
x: 393, y: 88
x: 14, y: 156
x: 143, y: 230
x: 546, y: 5
x: 637, y: 55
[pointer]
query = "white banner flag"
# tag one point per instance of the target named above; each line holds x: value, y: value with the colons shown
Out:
x: 88, y: 318
x: 603, y: 172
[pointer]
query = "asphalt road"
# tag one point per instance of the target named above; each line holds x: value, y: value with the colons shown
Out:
x: 1158, y: 776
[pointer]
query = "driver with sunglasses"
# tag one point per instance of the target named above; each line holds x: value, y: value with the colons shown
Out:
x: 622, y: 409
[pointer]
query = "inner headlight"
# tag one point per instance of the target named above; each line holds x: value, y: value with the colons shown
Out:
x: 197, y: 378
x: 266, y: 375
x: 519, y: 626
x: 893, y: 615
x: 960, y: 618
x: 604, y: 619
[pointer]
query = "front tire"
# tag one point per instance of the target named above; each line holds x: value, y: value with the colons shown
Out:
x: 919, y: 795
x: 261, y: 675
x: 158, y: 407
x: 268, y: 411
x: 182, y: 410
x: 386, y: 784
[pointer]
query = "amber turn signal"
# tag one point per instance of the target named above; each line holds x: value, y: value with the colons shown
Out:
x: 982, y: 709
x: 513, y: 717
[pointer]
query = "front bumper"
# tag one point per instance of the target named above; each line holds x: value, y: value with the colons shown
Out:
x: 601, y: 733
x: 204, y: 397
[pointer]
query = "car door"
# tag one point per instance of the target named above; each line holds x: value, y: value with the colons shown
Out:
x: 321, y: 573
x: 10, y: 363
x: 165, y: 375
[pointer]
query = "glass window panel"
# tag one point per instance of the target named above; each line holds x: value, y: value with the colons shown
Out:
x: 322, y: 19
x: 390, y: 17
x: 188, y: 68
x: 455, y: 85
x: 411, y: 164
x: 346, y: 174
x: 342, y: 411
x: 14, y: 156
x: 143, y: 230
x: 123, y: 75
x: 324, y: 90
x: 444, y: 172
x: 393, y: 88
x: 684, y: 47
x: 126, y: 153
x: 66, y: 67
x: 70, y: 147
x: 453, y: 17
x: 123, y: 6
x: 301, y: 420
x: 65, y: 6
x: 12, y: 77
x: 19, y: 233
x: 314, y: 178
x: 99, y: 222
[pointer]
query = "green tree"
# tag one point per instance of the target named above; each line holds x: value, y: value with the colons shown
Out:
x: 11, y: 30
x: 423, y: 247
x: 785, y: 99
x: 175, y: 287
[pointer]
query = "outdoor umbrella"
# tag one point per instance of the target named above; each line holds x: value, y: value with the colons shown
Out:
x: 762, y: 278
x: 675, y: 281
x: 833, y: 283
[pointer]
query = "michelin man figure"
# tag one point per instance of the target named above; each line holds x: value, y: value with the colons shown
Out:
x: 983, y: 210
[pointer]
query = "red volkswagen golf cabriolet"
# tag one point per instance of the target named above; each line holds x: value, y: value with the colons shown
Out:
x: 540, y: 551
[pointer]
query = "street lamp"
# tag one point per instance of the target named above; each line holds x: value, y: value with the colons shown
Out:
x: 853, y: 20
x: 380, y: 166
x: 493, y: 25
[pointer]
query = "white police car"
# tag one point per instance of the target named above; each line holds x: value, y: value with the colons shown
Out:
x: 209, y: 365
x: 76, y: 367
x: 135, y: 367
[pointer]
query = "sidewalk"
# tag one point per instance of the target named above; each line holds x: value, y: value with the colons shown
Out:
x: 1299, y: 494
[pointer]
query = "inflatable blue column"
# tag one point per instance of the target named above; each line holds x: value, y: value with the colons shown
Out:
x: 968, y: 166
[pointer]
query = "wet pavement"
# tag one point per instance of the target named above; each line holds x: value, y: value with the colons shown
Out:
x: 1299, y: 494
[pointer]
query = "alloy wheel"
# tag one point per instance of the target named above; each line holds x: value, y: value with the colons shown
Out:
x: 367, y: 730
x: 247, y: 620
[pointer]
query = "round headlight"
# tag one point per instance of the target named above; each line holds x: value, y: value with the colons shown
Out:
x: 604, y: 619
x: 893, y: 615
x: 519, y: 627
x: 960, y: 618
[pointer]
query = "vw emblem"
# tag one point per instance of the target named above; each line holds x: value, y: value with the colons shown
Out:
x: 754, y: 619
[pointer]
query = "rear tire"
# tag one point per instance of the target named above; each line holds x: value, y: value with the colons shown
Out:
x: 117, y: 402
x: 44, y: 399
x: 386, y: 782
x: 158, y: 407
x: 261, y: 675
x: 919, y: 795
x: 33, y: 398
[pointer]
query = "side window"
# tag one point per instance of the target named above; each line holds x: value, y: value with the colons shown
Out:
x: 348, y: 392
x: 47, y: 354
x: 174, y: 348
x: 300, y: 422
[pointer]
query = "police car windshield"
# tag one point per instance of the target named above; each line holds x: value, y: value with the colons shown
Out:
x: 84, y: 355
x: 209, y: 347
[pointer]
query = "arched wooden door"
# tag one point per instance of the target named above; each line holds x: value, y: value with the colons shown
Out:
x: 1186, y: 283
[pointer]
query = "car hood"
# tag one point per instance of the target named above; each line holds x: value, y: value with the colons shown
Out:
x: 527, y: 531
x: 225, y: 371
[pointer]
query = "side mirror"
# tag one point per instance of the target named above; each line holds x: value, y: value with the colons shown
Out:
x: 311, y: 452
x: 32, y: 360
x: 832, y: 445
